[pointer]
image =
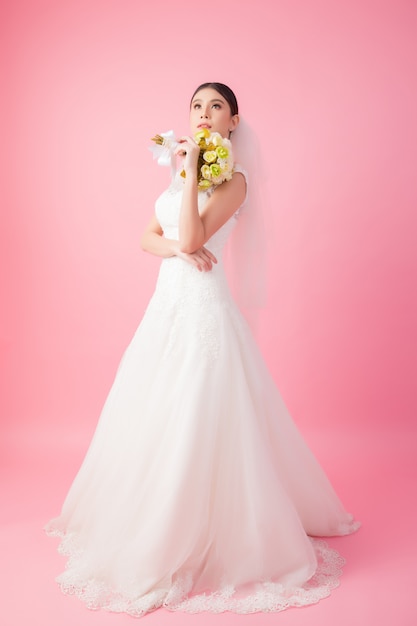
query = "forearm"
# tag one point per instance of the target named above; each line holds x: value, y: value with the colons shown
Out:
x: 158, y: 245
x: 191, y: 227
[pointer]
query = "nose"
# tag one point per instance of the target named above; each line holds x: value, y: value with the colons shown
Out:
x: 204, y: 113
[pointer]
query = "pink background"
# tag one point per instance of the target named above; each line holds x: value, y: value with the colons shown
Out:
x: 330, y: 88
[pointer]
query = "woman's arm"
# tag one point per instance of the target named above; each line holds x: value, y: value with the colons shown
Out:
x: 196, y: 229
x: 154, y: 242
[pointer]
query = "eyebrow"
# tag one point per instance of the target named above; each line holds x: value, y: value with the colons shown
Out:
x: 213, y: 100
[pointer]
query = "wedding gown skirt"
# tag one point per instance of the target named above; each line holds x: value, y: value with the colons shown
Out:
x: 198, y: 492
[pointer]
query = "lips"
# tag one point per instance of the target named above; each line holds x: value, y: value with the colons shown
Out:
x: 204, y: 126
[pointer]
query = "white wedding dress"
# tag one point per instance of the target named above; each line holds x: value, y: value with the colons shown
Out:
x: 198, y: 492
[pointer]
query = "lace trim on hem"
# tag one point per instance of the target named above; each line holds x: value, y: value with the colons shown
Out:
x: 265, y: 597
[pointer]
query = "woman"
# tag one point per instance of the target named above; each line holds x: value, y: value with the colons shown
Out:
x: 198, y: 492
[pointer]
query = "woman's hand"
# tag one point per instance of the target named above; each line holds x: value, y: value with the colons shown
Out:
x: 190, y: 150
x: 202, y: 258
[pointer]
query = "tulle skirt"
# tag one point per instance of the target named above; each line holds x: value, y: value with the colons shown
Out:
x: 198, y: 492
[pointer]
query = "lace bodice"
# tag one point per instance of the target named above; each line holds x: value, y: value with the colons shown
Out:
x: 180, y: 286
x: 182, y: 292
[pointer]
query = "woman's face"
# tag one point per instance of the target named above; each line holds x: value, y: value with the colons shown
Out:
x: 210, y: 110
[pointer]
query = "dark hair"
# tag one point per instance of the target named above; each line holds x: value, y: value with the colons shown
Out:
x: 224, y: 91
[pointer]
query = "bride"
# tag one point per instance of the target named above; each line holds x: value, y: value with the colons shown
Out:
x: 198, y: 492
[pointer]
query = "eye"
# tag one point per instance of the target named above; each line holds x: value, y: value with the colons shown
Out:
x: 217, y: 106
x: 197, y: 106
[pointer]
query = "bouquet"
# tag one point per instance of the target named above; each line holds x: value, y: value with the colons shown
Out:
x: 215, y: 161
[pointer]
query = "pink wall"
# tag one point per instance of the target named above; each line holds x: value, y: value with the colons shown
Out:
x: 329, y: 86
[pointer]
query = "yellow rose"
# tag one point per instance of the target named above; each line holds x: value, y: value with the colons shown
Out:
x: 202, y: 134
x: 210, y: 156
x: 222, y: 152
x: 205, y: 171
x: 204, y: 184
x: 215, y: 170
